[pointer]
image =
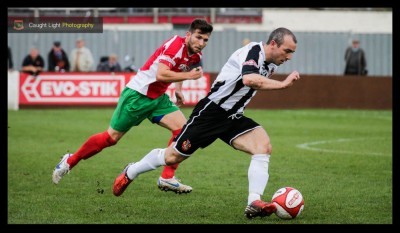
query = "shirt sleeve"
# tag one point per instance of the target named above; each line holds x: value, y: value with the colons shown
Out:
x: 250, y: 65
x: 171, y: 52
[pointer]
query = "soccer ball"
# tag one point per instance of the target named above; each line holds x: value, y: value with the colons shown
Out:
x: 289, y: 202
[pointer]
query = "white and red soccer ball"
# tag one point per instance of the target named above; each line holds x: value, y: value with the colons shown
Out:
x: 289, y: 202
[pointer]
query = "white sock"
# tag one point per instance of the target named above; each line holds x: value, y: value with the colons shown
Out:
x: 258, y: 176
x: 149, y: 162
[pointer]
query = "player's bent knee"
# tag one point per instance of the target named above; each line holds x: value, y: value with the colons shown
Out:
x: 173, y: 157
x: 171, y: 161
x: 266, y: 147
x: 269, y: 149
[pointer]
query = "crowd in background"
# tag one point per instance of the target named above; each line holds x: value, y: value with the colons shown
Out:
x: 79, y: 60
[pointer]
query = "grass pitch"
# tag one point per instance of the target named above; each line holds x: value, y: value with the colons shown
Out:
x: 340, y: 160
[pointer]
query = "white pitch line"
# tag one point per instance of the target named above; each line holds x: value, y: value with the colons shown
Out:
x: 308, y: 146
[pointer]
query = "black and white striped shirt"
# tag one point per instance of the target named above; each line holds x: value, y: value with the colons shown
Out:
x: 228, y: 90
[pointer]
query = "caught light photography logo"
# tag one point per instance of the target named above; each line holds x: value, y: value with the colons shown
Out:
x: 18, y: 24
x: 55, y: 24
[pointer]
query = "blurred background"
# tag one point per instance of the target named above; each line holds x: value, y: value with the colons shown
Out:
x: 134, y: 33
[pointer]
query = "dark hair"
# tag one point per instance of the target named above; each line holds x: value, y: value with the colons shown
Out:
x: 202, y: 25
x: 278, y: 35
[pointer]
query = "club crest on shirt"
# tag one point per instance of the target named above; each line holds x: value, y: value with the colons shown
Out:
x: 183, y: 67
x: 186, y: 145
x: 264, y: 72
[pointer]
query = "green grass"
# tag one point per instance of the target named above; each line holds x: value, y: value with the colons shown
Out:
x: 340, y: 160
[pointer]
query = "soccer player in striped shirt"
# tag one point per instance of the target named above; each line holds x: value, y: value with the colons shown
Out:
x: 221, y: 115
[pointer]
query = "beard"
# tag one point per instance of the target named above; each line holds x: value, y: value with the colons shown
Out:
x: 191, y: 49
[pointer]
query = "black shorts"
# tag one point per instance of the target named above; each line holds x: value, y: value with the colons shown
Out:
x: 208, y: 122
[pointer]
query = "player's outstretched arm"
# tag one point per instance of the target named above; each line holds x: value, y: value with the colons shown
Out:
x: 259, y: 82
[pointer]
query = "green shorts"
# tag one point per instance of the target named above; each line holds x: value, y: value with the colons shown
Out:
x: 134, y: 107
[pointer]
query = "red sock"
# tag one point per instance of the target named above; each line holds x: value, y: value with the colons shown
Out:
x: 92, y: 146
x: 169, y: 171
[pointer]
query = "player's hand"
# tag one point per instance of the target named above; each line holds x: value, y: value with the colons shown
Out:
x: 180, y: 98
x: 294, y: 76
x: 196, y: 73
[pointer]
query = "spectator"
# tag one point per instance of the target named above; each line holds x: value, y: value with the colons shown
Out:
x: 131, y: 66
x: 355, y: 60
x: 81, y: 58
x: 58, y: 59
x: 10, y: 61
x: 33, y: 63
x: 110, y: 65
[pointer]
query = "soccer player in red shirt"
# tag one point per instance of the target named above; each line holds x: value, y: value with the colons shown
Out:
x: 144, y: 97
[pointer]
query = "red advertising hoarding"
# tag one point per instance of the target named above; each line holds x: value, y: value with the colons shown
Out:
x: 93, y: 89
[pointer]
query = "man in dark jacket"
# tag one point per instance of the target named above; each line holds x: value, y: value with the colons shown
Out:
x: 355, y: 60
x: 58, y: 59
x: 110, y: 65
